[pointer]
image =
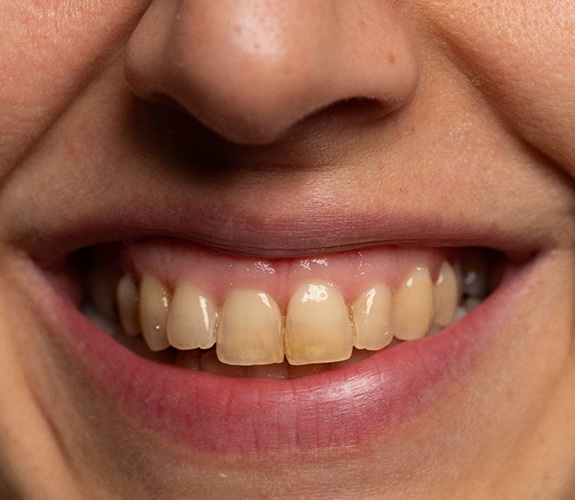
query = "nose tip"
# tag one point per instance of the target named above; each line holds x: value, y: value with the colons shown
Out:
x: 251, y: 70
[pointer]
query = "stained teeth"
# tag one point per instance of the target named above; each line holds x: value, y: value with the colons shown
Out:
x: 191, y: 319
x: 446, y: 295
x: 413, y: 308
x: 253, y: 339
x: 250, y: 330
x: 154, y: 304
x: 318, y: 329
x: 127, y: 299
x: 371, y: 317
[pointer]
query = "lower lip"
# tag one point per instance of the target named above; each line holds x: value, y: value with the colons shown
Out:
x: 339, y: 408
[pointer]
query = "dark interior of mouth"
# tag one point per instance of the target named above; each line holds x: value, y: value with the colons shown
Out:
x: 72, y: 274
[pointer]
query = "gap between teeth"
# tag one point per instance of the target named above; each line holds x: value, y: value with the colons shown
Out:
x: 249, y: 329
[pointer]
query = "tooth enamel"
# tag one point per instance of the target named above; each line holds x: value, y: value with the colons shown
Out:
x: 250, y: 330
x: 446, y: 295
x: 412, y: 311
x: 474, y: 270
x: 318, y: 329
x: 191, y: 319
x: 277, y: 371
x: 371, y: 316
x: 210, y: 363
x: 127, y: 300
x: 154, y: 305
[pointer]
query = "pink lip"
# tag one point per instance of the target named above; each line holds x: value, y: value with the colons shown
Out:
x: 339, y: 408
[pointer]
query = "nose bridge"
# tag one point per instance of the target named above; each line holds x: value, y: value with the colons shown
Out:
x: 250, y: 69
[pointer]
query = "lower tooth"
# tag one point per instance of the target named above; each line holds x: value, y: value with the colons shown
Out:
x: 210, y: 363
x: 317, y: 329
x: 250, y: 330
x: 413, y: 307
x: 154, y: 304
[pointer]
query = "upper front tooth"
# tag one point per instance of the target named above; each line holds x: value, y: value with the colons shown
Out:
x: 371, y: 316
x: 446, y: 295
x: 412, y: 311
x: 318, y: 329
x: 191, y: 319
x: 154, y: 304
x: 250, y: 330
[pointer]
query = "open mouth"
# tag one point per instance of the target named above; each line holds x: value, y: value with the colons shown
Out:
x: 278, y: 318
x: 232, y: 353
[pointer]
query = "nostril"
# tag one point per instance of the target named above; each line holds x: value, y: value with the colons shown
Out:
x: 250, y: 73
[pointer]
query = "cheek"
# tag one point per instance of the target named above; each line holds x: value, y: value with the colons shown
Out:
x: 520, y: 57
x: 51, y: 50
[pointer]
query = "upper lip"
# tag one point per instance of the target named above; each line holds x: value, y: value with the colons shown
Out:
x: 282, y: 211
x: 245, y: 230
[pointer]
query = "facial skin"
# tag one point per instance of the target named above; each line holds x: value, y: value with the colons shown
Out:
x: 293, y: 128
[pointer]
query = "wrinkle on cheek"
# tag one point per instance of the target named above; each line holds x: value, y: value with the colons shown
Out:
x: 519, y: 55
x: 50, y: 51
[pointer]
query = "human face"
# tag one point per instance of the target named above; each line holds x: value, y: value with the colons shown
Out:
x: 262, y: 146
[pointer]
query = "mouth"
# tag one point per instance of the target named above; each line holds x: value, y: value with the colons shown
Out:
x: 278, y: 318
x: 234, y: 354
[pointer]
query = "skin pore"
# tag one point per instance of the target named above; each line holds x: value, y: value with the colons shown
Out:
x: 270, y: 130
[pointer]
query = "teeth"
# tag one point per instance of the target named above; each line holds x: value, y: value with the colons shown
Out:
x: 154, y: 304
x: 446, y: 295
x: 250, y: 330
x: 318, y: 329
x: 191, y: 319
x: 371, y: 317
x: 413, y: 309
x: 127, y: 299
x: 474, y: 270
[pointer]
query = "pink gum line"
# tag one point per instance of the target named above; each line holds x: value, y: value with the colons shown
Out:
x: 352, y: 272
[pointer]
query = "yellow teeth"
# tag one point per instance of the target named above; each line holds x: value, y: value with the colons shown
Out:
x: 318, y: 329
x: 250, y: 330
x: 127, y: 299
x: 191, y: 319
x: 413, y: 307
x: 154, y: 304
x: 371, y: 318
x: 446, y: 295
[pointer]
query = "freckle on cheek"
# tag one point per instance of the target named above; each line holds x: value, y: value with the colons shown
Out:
x: 391, y: 58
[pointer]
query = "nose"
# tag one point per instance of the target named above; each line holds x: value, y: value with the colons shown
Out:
x: 252, y: 69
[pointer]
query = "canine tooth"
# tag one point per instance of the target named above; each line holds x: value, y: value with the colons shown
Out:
x: 318, y: 329
x: 446, y: 295
x: 412, y: 311
x: 127, y: 299
x: 250, y: 330
x: 191, y: 319
x: 154, y: 305
x: 371, y: 315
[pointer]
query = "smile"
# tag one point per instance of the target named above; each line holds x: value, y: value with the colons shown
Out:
x: 279, y: 318
x: 239, y: 364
